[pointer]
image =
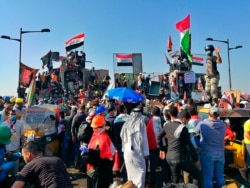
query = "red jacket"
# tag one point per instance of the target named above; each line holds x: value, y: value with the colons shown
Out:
x: 105, y: 145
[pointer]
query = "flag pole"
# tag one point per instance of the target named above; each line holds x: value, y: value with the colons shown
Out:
x: 114, y: 68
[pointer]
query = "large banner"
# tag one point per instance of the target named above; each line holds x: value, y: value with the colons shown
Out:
x: 26, y: 74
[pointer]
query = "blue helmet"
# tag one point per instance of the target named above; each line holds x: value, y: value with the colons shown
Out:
x: 6, y: 99
x: 100, y: 109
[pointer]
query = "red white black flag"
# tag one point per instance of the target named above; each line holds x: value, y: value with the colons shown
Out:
x: 198, y: 61
x: 124, y: 59
x: 75, y: 42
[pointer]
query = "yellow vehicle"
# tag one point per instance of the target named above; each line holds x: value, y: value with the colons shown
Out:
x: 234, y: 149
x: 40, y: 124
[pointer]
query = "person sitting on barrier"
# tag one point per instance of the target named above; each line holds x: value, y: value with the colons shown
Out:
x: 41, y: 170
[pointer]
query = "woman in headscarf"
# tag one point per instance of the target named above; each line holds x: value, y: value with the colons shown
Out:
x: 135, y: 147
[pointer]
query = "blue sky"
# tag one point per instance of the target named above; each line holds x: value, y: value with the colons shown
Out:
x: 128, y: 26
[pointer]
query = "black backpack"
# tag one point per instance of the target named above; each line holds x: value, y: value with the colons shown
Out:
x: 85, y: 132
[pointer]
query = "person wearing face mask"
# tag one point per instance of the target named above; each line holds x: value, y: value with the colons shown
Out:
x: 101, y: 152
x: 212, y: 76
x: 17, y: 137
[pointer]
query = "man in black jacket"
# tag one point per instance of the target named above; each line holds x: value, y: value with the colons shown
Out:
x: 181, y: 154
x: 77, y: 120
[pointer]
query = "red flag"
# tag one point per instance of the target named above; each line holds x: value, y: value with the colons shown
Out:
x: 183, y: 24
x: 170, y: 44
x: 167, y: 60
x: 26, y: 74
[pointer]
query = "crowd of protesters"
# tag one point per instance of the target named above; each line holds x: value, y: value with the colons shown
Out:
x: 171, y: 137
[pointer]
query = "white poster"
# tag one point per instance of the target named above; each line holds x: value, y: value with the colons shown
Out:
x: 189, y: 77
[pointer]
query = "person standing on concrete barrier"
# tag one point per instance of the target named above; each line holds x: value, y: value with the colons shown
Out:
x: 212, y: 76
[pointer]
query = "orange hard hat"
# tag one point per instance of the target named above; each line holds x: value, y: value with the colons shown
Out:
x: 98, y: 121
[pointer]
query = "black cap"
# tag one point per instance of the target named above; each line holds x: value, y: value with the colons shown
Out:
x: 184, y: 114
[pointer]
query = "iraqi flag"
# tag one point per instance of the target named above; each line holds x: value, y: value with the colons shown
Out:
x: 75, y: 42
x: 198, y: 61
x: 124, y: 59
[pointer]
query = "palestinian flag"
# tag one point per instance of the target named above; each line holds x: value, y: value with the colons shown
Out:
x: 75, y: 42
x: 184, y: 27
x: 124, y: 59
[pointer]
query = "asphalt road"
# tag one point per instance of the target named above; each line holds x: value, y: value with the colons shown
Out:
x: 231, y: 175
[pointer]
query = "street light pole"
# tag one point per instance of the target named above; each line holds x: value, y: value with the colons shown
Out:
x: 20, y: 45
x: 229, y: 66
x: 20, y: 55
x: 228, y: 57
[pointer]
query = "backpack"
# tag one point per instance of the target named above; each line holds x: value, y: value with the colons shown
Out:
x: 85, y: 132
